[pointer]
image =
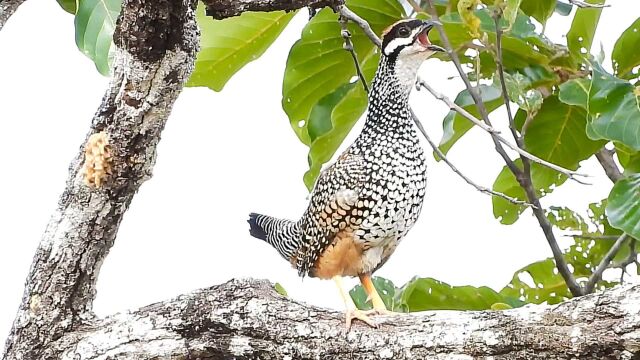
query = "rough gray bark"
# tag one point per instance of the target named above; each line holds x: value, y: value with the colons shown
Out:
x: 247, y: 319
x: 7, y: 8
x: 156, y: 42
x: 220, y: 9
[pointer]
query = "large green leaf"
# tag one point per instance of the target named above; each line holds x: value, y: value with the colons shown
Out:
x: 455, y: 125
x: 541, y: 10
x: 318, y: 65
x: 556, y: 134
x: 583, y: 29
x: 611, y: 103
x: 228, y: 45
x: 625, y: 57
x: 94, y: 22
x: 429, y: 294
x: 537, y: 283
x: 623, y: 208
x: 420, y: 294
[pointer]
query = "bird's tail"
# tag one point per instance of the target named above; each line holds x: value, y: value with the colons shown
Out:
x: 284, y: 235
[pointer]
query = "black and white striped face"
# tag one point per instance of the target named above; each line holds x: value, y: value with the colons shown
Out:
x: 408, y: 38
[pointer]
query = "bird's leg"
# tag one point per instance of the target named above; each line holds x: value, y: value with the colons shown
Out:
x: 351, y: 311
x: 378, y: 305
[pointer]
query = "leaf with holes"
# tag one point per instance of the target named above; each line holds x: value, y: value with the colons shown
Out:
x: 626, y: 61
x: 228, y: 45
x: 583, y: 29
x: 623, y: 207
x: 455, y: 125
x: 94, y: 23
x: 421, y: 294
x: 556, y: 134
x: 612, y: 105
x: 537, y: 283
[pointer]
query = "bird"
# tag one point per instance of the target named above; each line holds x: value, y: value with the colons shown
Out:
x: 363, y: 204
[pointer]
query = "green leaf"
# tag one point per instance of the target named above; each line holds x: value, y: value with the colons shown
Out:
x: 541, y: 10
x: 624, y: 59
x: 520, y: 92
x: 556, y: 134
x: 94, y: 24
x: 280, y: 289
x: 611, y: 103
x: 455, y: 125
x: 318, y: 65
x: 537, y: 283
x: 228, y: 45
x: 466, y: 9
x: 623, y: 207
x: 629, y: 159
x: 511, y: 11
x: 422, y: 294
x: 385, y: 288
x: 68, y: 6
x: 501, y: 306
x: 583, y: 29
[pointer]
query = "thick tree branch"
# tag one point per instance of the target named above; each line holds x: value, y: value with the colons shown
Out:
x: 221, y: 9
x: 155, y: 48
x: 247, y: 319
x: 7, y: 8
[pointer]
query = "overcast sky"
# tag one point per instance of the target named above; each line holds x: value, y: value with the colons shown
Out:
x: 224, y: 155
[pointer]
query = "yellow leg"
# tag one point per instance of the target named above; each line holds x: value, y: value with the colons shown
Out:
x: 351, y: 311
x: 378, y: 305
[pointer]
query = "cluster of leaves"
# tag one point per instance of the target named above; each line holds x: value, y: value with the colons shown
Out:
x: 569, y: 108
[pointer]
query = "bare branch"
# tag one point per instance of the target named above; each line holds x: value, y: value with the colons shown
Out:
x: 221, y: 9
x: 604, y: 264
x: 439, y: 152
x: 605, y: 158
x: 7, y: 8
x: 348, y: 45
x: 496, y: 134
x: 583, y: 4
x: 362, y: 23
x: 525, y: 179
x: 247, y: 319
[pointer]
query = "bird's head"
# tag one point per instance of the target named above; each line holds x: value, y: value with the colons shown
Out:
x: 408, y: 39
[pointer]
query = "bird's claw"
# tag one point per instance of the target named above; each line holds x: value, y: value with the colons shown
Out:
x: 360, y: 315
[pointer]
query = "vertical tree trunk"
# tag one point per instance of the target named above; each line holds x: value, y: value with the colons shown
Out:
x: 156, y: 43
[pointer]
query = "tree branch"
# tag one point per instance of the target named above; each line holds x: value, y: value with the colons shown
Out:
x: 156, y: 43
x: 604, y: 264
x: 605, y: 158
x: 221, y: 9
x: 7, y: 8
x: 247, y: 319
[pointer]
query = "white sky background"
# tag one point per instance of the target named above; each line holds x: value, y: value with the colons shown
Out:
x: 224, y: 155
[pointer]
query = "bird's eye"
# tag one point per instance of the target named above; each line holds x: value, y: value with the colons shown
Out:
x: 404, y: 31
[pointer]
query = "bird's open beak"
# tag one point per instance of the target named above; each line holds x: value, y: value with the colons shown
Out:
x: 423, y: 36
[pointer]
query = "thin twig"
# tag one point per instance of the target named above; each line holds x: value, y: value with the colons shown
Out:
x: 362, y: 23
x: 496, y: 134
x: 604, y: 264
x: 605, y: 158
x: 503, y: 83
x: 414, y: 5
x: 582, y: 4
x: 439, y: 152
x: 593, y: 237
x: 348, y: 45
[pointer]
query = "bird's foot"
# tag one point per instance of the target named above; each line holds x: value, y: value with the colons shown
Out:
x: 379, y: 311
x: 361, y: 315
